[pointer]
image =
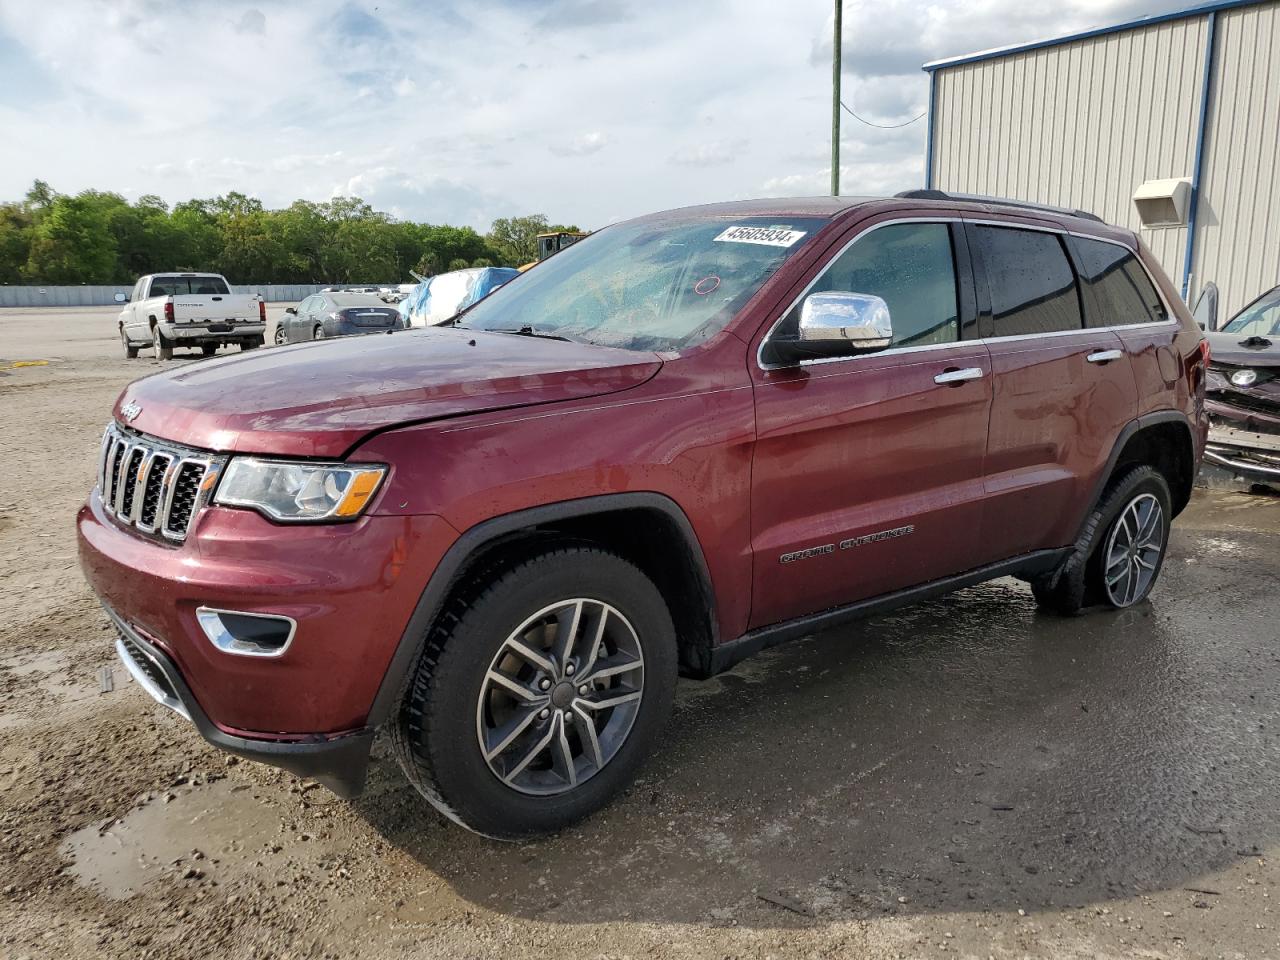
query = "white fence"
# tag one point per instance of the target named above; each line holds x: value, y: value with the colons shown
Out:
x: 96, y: 296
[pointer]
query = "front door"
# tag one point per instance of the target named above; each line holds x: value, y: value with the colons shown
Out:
x: 867, y: 474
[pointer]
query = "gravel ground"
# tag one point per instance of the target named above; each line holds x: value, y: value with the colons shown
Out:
x: 964, y: 778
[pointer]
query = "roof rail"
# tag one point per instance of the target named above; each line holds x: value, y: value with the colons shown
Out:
x: 996, y: 201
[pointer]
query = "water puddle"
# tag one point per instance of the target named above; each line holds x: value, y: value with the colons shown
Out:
x: 201, y: 833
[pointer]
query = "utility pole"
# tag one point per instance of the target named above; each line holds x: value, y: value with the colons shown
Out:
x: 835, y: 106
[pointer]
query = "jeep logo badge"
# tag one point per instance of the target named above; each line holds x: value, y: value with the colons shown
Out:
x: 130, y: 411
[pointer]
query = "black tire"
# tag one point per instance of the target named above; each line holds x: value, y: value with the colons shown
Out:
x: 436, y: 737
x: 161, y: 347
x: 208, y: 349
x: 317, y: 333
x: 1081, y: 581
x: 278, y: 337
x: 130, y: 351
x: 253, y: 344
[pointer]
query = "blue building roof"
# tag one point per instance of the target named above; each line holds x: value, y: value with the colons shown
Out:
x: 1146, y: 21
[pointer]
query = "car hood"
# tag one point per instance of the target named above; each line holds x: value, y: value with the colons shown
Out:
x: 1238, y: 351
x: 320, y: 399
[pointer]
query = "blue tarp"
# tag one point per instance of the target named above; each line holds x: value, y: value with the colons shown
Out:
x: 443, y: 295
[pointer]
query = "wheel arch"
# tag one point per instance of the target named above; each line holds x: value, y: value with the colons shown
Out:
x: 641, y: 527
x: 1163, y: 440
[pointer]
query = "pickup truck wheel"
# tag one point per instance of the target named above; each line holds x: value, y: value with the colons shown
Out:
x: 162, y: 347
x: 130, y: 351
x: 208, y: 349
x: 541, y: 689
x: 253, y: 344
x: 1119, y: 556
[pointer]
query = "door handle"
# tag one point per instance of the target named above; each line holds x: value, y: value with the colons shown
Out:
x: 1104, y: 356
x: 956, y: 377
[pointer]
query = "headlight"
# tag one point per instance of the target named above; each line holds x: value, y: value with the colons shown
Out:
x: 295, y: 491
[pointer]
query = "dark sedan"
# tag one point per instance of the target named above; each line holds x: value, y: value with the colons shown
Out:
x: 336, y: 314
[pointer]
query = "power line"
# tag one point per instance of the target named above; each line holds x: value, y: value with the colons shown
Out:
x: 882, y: 126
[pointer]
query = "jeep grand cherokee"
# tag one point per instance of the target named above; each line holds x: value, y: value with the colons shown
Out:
x: 683, y: 439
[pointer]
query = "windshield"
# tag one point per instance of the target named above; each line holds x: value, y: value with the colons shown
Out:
x: 647, y: 285
x: 1260, y: 319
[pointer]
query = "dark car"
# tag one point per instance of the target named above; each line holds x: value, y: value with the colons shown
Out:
x: 1244, y: 389
x: 683, y: 439
x: 336, y: 314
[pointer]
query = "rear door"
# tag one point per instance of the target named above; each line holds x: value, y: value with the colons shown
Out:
x: 1062, y: 391
x: 1120, y: 295
x: 867, y: 472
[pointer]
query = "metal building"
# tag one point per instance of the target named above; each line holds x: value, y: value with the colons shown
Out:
x: 1176, y: 116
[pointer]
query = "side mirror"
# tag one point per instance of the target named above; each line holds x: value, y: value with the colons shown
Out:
x: 292, y: 310
x: 122, y: 298
x: 835, y: 324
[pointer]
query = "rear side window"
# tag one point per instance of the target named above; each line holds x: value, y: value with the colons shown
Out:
x: 1032, y: 285
x: 1122, y: 291
x: 908, y: 265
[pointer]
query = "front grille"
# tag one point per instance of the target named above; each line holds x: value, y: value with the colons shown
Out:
x: 1244, y: 401
x: 153, y: 485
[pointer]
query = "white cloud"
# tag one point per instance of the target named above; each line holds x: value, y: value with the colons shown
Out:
x: 582, y: 146
x: 586, y: 111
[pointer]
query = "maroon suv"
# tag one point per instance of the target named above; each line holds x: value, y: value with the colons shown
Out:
x: 683, y: 439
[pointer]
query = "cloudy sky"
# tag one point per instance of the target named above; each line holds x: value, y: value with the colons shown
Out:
x: 586, y: 110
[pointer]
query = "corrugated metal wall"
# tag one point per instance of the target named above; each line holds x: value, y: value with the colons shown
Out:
x: 1238, y: 230
x: 1084, y: 122
x: 1081, y: 124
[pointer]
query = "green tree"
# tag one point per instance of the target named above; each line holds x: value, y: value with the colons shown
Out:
x: 72, y: 243
x: 516, y: 238
x: 15, y: 241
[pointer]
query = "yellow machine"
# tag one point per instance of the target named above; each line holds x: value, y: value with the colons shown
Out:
x: 551, y: 243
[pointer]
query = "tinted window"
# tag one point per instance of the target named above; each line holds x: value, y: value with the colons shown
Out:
x: 909, y: 266
x: 1033, y: 288
x: 184, y: 286
x: 1122, y: 292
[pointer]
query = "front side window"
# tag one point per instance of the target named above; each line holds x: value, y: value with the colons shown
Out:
x: 1260, y: 319
x: 911, y: 267
x: 653, y: 284
x: 1032, y: 284
x: 1122, y: 291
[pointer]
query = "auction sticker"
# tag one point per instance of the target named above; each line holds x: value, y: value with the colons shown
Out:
x: 768, y: 236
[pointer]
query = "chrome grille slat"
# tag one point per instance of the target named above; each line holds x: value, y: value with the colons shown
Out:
x: 154, y: 486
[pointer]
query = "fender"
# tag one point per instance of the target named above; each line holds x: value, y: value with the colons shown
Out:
x: 468, y: 546
x: 1127, y: 434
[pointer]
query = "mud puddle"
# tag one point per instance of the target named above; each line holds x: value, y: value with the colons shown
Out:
x: 203, y: 832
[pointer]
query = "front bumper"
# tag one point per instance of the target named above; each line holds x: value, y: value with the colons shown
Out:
x: 351, y: 588
x: 1246, y: 442
x: 339, y: 762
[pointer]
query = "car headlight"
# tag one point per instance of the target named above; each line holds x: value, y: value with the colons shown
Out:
x: 299, y: 492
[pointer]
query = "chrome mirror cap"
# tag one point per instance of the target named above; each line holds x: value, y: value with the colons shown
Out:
x: 859, y: 319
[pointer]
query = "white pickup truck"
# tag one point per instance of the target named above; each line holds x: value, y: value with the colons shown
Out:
x: 167, y: 310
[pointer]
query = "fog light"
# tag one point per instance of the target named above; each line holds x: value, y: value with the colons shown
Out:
x: 247, y: 634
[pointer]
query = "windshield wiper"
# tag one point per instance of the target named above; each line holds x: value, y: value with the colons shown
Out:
x: 530, y: 332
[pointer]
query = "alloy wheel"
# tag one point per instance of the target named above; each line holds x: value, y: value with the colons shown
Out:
x: 279, y: 336
x: 560, y: 697
x: 1133, y: 549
